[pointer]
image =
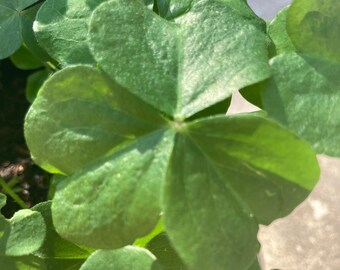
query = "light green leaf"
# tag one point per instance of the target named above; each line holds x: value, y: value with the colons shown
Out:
x: 176, y: 66
x: 159, y: 228
x: 56, y: 252
x: 222, y: 190
x: 34, y: 83
x: 10, y: 25
x: 278, y: 33
x: 23, y: 234
x: 126, y: 187
x: 313, y: 26
x: 23, y: 59
x: 2, y: 200
x: 66, y: 130
x: 127, y: 258
x: 304, y: 95
x: 61, y: 28
x: 161, y: 247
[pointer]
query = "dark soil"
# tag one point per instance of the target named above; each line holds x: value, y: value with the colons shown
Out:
x: 14, y: 156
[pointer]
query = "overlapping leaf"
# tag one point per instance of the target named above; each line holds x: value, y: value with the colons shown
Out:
x: 12, y: 17
x: 177, y: 67
x: 215, y: 178
x: 304, y: 91
x: 126, y: 258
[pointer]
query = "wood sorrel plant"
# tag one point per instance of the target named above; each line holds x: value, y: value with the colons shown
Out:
x: 154, y: 174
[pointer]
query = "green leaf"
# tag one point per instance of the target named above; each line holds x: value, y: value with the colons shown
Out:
x: 161, y: 247
x: 176, y: 66
x: 10, y: 25
x: 278, y: 33
x: 304, y: 95
x: 313, y: 26
x: 122, y: 186
x: 23, y: 59
x: 78, y: 126
x: 56, y: 252
x: 2, y: 200
x: 221, y: 190
x: 34, y: 83
x: 22, y: 263
x: 127, y: 258
x: 23, y: 234
x: 159, y: 228
x: 61, y: 28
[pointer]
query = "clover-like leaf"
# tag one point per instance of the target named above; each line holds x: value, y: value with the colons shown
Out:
x: 237, y: 165
x: 23, y: 234
x: 12, y: 16
x: 126, y: 258
x: 176, y: 66
x: 313, y: 26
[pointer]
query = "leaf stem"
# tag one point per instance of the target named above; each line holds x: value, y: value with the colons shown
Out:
x: 7, y: 189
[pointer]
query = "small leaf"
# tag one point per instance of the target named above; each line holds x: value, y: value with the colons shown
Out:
x: 176, y: 66
x: 161, y: 247
x: 304, y: 95
x: 2, y: 200
x: 23, y: 59
x: 24, y: 233
x: 313, y: 26
x: 159, y: 228
x: 34, y: 83
x: 127, y: 258
x: 56, y: 252
x: 22, y: 263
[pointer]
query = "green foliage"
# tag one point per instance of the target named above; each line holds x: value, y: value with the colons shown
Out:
x: 134, y: 127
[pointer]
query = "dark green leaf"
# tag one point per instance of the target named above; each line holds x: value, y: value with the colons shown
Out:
x: 22, y: 263
x: 313, y: 26
x: 34, y: 83
x: 56, y: 252
x: 161, y: 247
x: 127, y: 258
x: 176, y: 66
x: 23, y: 59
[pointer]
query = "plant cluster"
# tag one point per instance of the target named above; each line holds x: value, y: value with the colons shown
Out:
x: 129, y: 105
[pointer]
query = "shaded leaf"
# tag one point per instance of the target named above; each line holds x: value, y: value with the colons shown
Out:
x: 22, y: 263
x: 34, y: 83
x: 159, y: 228
x: 23, y: 59
x: 313, y: 26
x: 2, y: 200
